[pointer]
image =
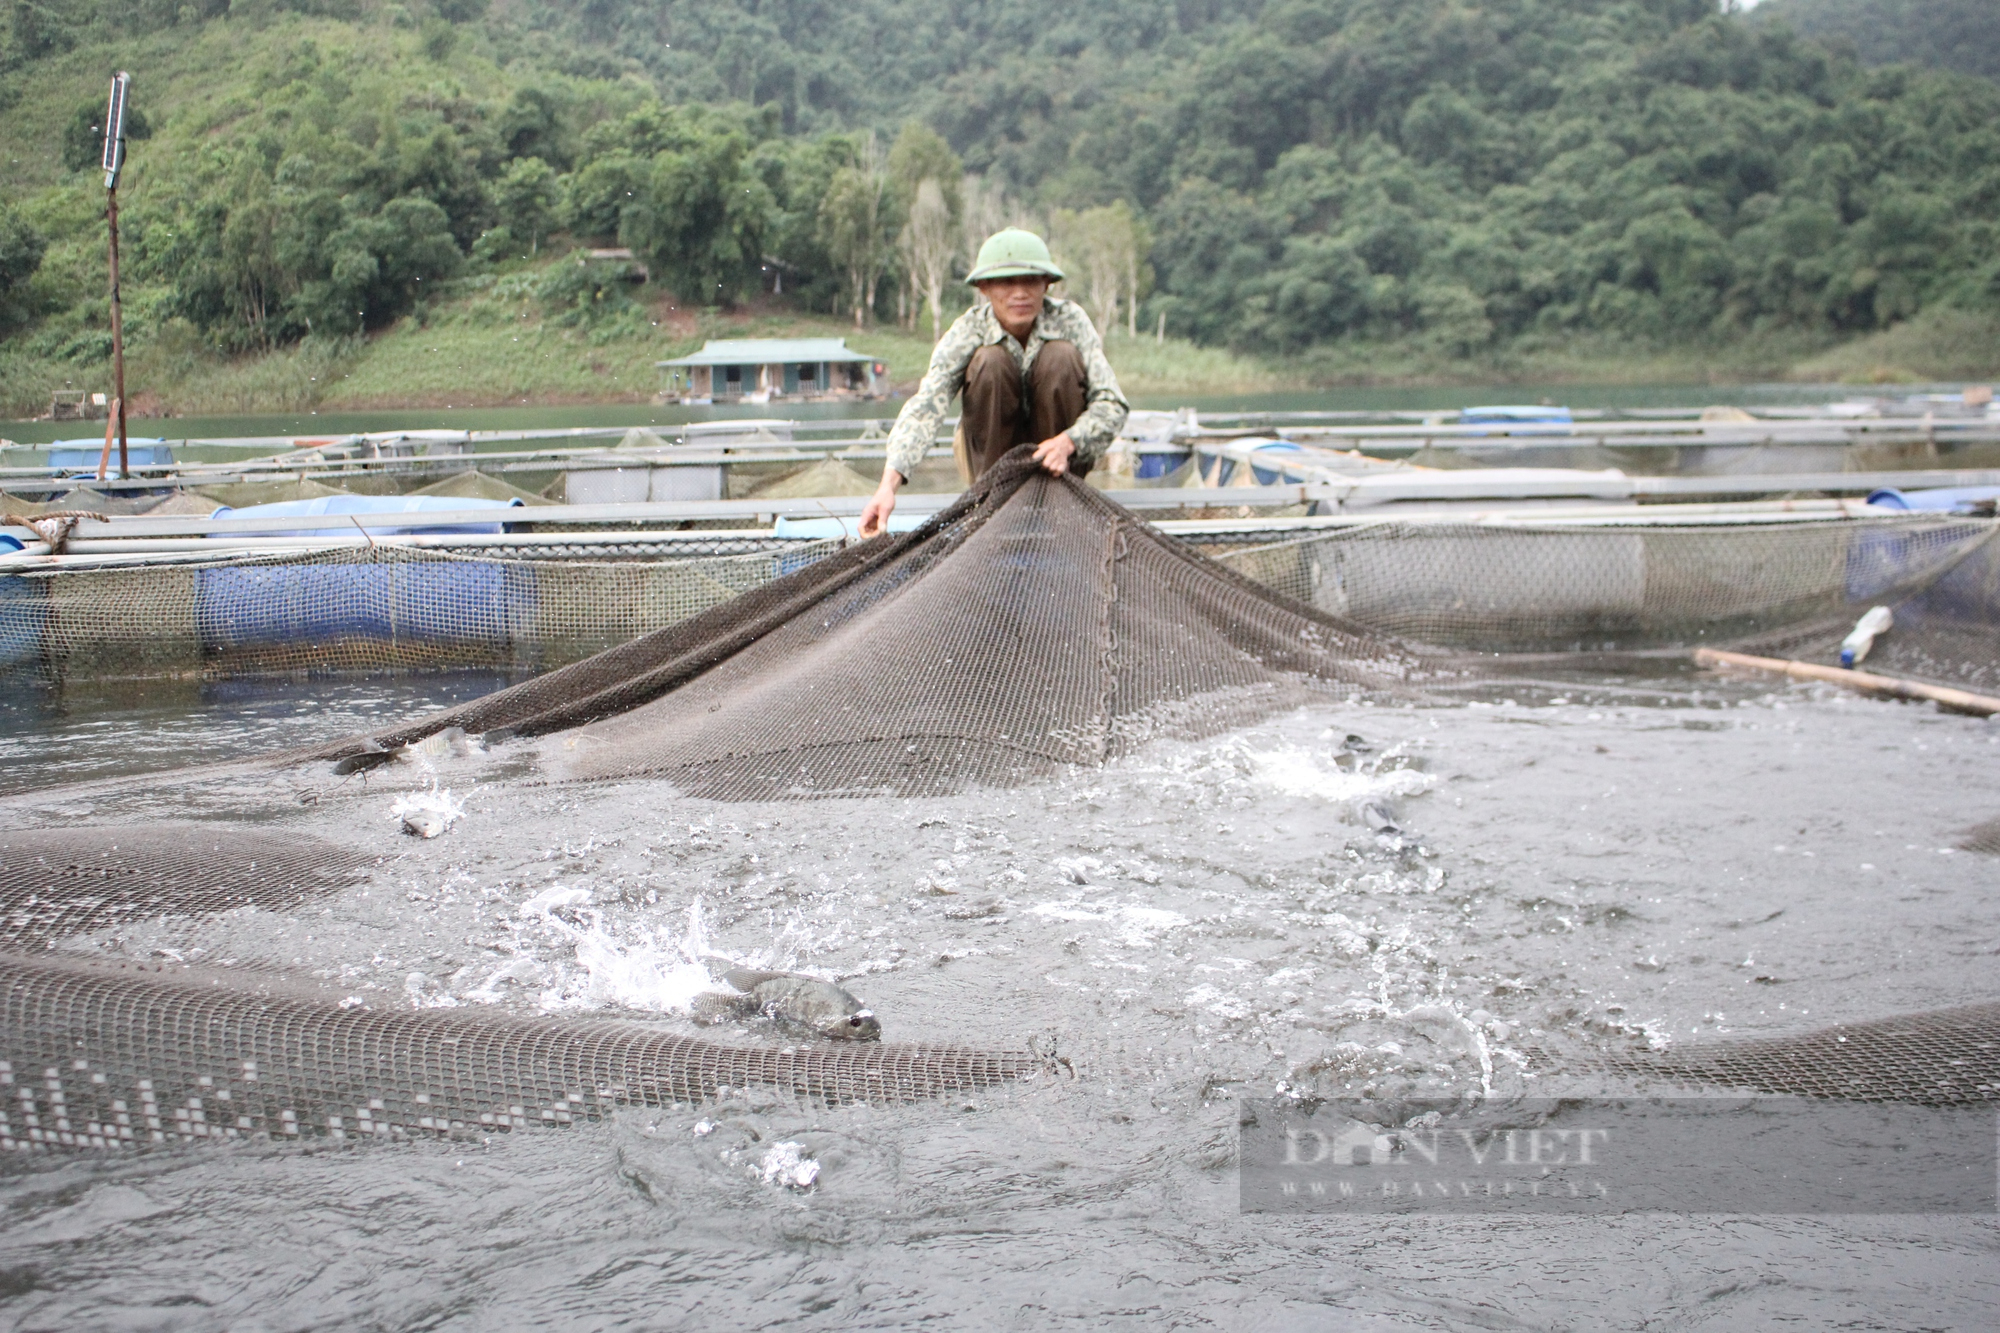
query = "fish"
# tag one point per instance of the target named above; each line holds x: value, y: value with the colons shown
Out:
x: 427, y: 814
x: 451, y: 743
x: 423, y: 823
x: 1379, y: 819
x: 794, y: 1001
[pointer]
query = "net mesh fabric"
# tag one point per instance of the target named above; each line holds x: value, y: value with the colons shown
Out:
x: 1947, y: 630
x: 99, y: 1059
x: 1941, y: 1057
x: 1541, y: 587
x: 367, y: 608
x: 1032, y: 625
x: 58, y: 882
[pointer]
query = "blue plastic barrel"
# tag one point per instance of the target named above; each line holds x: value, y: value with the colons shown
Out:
x: 1151, y: 463
x: 1270, y: 476
x: 1940, y: 500
x: 456, y: 601
x: 24, y: 614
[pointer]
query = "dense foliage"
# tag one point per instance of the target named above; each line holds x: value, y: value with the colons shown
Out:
x: 1457, y: 176
x: 1946, y: 34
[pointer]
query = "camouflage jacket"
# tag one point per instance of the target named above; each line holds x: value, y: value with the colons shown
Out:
x: 1105, y: 406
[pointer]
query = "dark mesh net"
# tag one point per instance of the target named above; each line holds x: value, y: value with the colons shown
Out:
x: 1526, y: 585
x: 1939, y: 1058
x: 1947, y: 628
x: 99, y: 1059
x: 1983, y: 838
x: 1032, y: 625
x: 57, y: 882
x: 368, y: 608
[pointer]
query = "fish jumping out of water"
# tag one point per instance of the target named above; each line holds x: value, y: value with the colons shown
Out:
x: 451, y: 743
x: 426, y: 814
x: 793, y: 1000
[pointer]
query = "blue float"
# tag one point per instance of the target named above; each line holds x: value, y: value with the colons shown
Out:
x: 88, y: 453
x: 24, y: 614
x: 455, y: 601
x: 372, y: 506
x: 1149, y: 464
x: 1270, y: 476
x: 1940, y: 500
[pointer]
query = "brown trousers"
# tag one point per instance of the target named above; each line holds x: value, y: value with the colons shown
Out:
x: 1000, y: 412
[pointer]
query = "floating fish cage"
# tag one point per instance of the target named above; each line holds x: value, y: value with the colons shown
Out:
x: 1628, y: 579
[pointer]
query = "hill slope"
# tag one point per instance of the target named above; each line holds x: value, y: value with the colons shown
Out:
x: 1344, y: 184
x: 1961, y: 35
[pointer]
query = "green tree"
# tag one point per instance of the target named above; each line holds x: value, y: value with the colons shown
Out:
x: 21, y: 251
x: 858, y: 225
x: 702, y: 213
x: 929, y: 246
x: 597, y: 194
x: 526, y: 196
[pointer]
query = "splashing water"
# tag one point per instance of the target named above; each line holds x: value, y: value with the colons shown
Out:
x: 426, y: 814
x: 658, y: 971
x: 786, y: 1164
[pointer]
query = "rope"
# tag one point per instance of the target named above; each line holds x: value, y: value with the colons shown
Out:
x: 54, y: 527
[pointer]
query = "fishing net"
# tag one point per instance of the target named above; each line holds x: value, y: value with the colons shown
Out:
x: 1031, y: 627
x: 1946, y: 629
x: 1552, y: 586
x: 367, y: 608
x: 1941, y: 1057
x: 58, y: 882
x: 97, y: 1058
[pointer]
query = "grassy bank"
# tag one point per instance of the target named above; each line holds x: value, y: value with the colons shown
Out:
x: 491, y: 342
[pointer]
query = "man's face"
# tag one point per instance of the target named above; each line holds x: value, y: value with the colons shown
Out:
x: 1017, y: 301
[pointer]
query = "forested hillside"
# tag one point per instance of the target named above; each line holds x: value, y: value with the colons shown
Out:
x: 1944, y: 34
x: 1455, y: 180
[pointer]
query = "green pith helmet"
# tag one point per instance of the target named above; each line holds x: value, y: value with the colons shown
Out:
x: 1014, y: 253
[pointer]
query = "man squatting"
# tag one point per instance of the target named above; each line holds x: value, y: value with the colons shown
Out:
x: 1031, y: 367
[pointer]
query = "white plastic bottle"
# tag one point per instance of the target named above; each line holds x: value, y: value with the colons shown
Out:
x: 1856, y: 645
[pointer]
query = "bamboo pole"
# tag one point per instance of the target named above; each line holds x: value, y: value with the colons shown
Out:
x: 110, y: 429
x: 1864, y: 682
x: 117, y: 344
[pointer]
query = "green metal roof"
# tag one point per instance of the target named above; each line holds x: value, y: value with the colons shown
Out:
x: 768, y: 351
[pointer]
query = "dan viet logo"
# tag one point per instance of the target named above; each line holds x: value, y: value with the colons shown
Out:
x: 1430, y: 1161
x: 1740, y: 1154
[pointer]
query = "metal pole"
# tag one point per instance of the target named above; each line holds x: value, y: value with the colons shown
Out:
x: 118, y: 347
x: 114, y: 162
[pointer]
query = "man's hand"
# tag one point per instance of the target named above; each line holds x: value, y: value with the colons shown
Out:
x: 1054, y: 454
x: 875, y: 514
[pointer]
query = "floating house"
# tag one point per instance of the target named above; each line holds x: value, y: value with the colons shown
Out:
x: 762, y: 370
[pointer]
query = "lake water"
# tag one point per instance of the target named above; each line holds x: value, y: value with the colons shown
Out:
x: 638, y: 414
x: 1595, y: 862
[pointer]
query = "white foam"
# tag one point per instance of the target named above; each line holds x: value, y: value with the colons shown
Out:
x: 648, y: 975
x: 786, y: 1164
x: 1218, y: 1002
x: 1291, y: 771
x: 1137, y: 926
x: 551, y: 898
x: 426, y: 814
x: 656, y: 972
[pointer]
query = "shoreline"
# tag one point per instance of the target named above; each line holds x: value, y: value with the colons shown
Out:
x: 459, y: 358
